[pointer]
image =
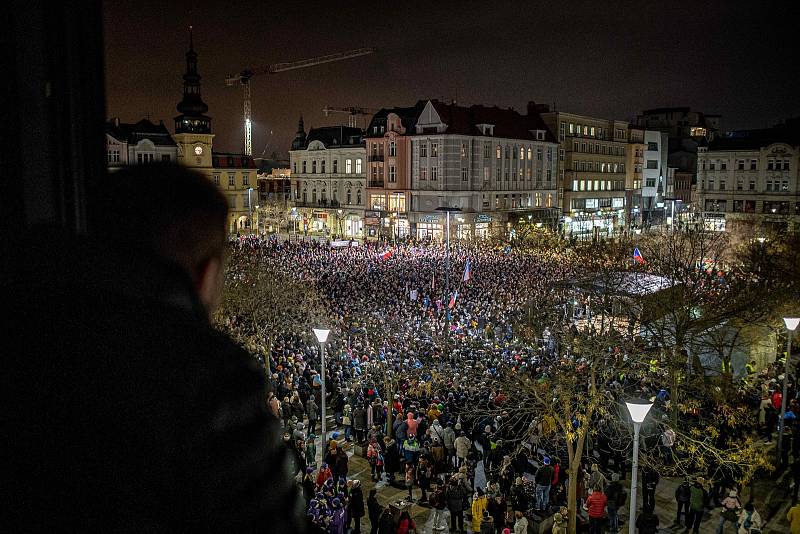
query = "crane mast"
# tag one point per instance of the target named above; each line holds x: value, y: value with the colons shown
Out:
x: 243, y: 79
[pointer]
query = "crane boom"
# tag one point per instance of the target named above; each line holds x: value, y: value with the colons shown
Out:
x: 243, y: 78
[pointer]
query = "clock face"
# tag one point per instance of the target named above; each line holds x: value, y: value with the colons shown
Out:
x: 198, y: 150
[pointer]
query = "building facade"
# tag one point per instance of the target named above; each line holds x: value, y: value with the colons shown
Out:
x: 592, y: 173
x: 750, y: 179
x: 388, y: 149
x: 655, y: 177
x: 681, y: 122
x: 328, y: 180
x: 139, y: 143
x: 634, y: 166
x: 492, y: 164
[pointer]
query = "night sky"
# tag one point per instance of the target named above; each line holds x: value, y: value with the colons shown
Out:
x: 608, y: 59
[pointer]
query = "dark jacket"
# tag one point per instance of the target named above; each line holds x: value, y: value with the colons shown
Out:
x: 130, y: 412
x: 356, y: 502
x: 374, y: 509
x: 647, y: 523
x: 455, y: 494
x: 544, y: 476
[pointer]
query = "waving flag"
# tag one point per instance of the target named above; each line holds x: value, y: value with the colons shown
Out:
x: 453, y: 300
x: 637, y: 256
x: 387, y: 254
x: 468, y: 271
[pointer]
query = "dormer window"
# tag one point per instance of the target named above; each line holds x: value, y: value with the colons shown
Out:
x: 486, y: 129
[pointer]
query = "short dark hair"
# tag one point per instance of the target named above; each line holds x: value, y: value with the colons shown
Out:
x: 168, y: 210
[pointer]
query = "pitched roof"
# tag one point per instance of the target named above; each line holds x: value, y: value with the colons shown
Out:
x: 788, y: 133
x: 508, y: 123
x: 336, y: 136
x: 144, y: 129
x: 408, y: 116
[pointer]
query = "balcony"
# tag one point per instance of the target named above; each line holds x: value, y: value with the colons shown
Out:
x: 375, y: 158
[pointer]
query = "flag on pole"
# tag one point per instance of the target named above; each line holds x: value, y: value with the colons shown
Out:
x: 386, y: 254
x: 468, y: 271
x: 453, y: 300
x: 637, y: 256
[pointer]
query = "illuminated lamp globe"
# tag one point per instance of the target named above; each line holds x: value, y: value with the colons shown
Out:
x: 322, y: 334
x: 791, y: 323
x: 638, y: 410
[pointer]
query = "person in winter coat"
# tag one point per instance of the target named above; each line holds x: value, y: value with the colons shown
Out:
x: 650, y: 479
x: 520, y: 523
x: 615, y: 494
x: 519, y: 495
x: 749, y: 519
x: 386, y: 524
x: 597, y: 478
x: 682, y: 495
x: 559, y: 524
x: 697, y: 501
x: 730, y: 511
x: 479, y: 502
x: 359, y: 422
x: 463, y: 445
x: 456, y: 494
x: 596, y: 506
x: 347, y: 422
x: 391, y: 458
x: 312, y: 412
x: 355, y: 508
x: 647, y: 522
x: 449, y: 442
x: 412, y: 423
x: 439, y: 503
x: 487, y: 523
x: 544, y: 478
x: 405, y: 523
x: 497, y: 508
x: 374, y: 510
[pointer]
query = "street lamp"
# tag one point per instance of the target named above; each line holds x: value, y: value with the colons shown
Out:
x: 638, y: 410
x: 791, y: 326
x: 447, y: 210
x: 322, y: 338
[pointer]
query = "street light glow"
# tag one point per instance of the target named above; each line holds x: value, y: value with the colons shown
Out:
x: 322, y: 334
x: 791, y: 323
x: 638, y: 410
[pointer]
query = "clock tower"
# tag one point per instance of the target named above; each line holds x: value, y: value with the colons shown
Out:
x: 193, y: 127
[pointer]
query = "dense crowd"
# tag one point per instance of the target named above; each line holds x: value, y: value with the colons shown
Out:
x: 414, y: 378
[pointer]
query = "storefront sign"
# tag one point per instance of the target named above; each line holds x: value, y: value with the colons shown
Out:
x: 483, y: 218
x: 429, y: 218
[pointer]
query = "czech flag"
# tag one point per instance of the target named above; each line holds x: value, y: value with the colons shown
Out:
x: 468, y: 271
x: 453, y: 300
x: 637, y: 256
x: 387, y: 254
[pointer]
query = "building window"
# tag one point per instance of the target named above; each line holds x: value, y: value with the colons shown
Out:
x: 434, y: 173
x: 335, y: 166
x: 358, y: 166
x: 463, y: 150
x: 497, y: 152
x: 538, y: 175
x: 349, y: 197
x: 497, y: 174
x: 392, y: 148
x: 322, y: 166
x: 562, y: 130
x: 538, y: 153
x: 392, y: 173
x: 358, y: 197
x: 465, y: 175
x: 574, y: 185
x: 348, y: 166
x: 549, y: 175
x: 753, y: 164
x: 314, y: 167
x: 487, y: 150
x: 722, y: 185
x: 164, y: 157
x: 571, y: 128
x: 723, y: 165
x: 434, y: 150
x: 752, y: 185
x: 423, y: 174
x: 232, y: 179
x: 423, y: 150
x: 508, y: 153
x: 245, y: 179
x: 216, y: 179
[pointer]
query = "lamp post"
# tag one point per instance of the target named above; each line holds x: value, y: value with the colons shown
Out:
x: 638, y: 411
x: 447, y: 210
x: 791, y: 326
x: 249, y: 210
x: 322, y: 338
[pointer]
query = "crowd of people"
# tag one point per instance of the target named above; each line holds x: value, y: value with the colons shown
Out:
x: 414, y: 378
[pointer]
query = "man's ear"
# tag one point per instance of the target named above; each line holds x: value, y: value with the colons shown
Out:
x: 208, y: 283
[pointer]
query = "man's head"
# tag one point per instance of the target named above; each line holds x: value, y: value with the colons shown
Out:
x: 171, y: 212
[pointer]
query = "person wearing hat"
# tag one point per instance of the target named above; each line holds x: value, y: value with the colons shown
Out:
x: 355, y: 507
x: 730, y: 511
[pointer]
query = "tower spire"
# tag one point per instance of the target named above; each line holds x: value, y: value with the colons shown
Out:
x: 191, y: 39
x: 192, y: 109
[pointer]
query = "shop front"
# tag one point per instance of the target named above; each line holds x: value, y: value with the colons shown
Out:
x: 353, y: 226
x: 372, y: 224
x: 430, y: 227
x: 592, y: 225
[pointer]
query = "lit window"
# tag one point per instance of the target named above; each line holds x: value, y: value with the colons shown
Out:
x: 358, y: 166
x: 434, y: 150
x: 463, y: 150
x: 530, y: 152
x: 498, y: 154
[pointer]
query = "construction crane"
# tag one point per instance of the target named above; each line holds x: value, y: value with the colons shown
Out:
x: 353, y: 111
x: 243, y: 79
